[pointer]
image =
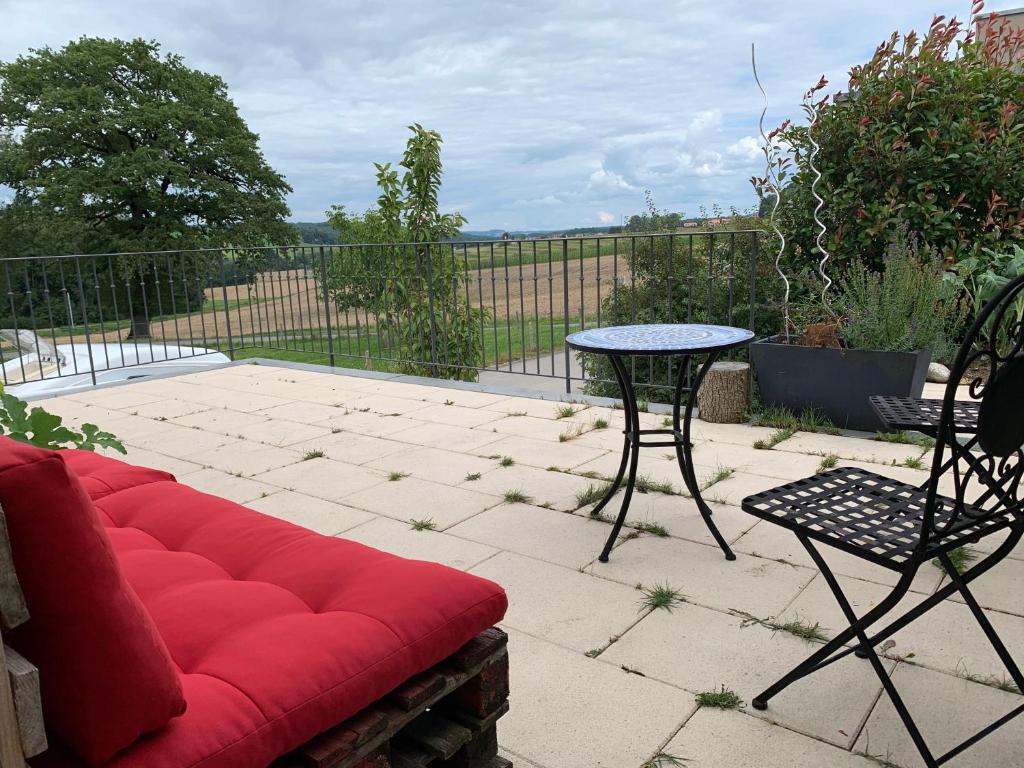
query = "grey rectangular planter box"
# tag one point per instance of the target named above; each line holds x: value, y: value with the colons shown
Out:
x: 835, y: 382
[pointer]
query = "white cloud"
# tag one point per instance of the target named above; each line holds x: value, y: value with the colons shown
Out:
x: 549, y: 111
x: 747, y: 148
x: 603, y: 178
x: 605, y: 217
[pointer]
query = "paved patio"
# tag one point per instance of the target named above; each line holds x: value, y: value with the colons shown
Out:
x: 597, y: 679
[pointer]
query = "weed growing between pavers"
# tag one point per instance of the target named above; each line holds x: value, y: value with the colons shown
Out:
x: 830, y: 461
x: 723, y: 698
x: 654, y: 529
x: 906, y: 438
x: 717, y: 476
x: 591, y: 494
x: 660, y: 596
x: 774, y: 439
x: 423, y: 525
x: 516, y: 496
x: 959, y: 557
x: 572, y: 433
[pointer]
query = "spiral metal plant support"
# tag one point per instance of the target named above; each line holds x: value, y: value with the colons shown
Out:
x: 826, y: 281
x: 770, y: 150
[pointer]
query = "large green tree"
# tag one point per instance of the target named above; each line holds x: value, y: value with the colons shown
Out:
x: 110, y: 146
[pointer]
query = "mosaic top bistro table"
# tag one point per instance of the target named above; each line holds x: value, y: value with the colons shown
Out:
x: 678, y: 340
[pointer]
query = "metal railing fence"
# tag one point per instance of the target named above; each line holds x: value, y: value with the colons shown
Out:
x: 451, y: 309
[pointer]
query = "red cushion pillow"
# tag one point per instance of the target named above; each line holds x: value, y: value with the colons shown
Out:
x: 101, y: 475
x: 105, y: 673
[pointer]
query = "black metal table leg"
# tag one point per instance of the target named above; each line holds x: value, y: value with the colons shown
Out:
x: 684, y: 446
x: 626, y: 444
x: 630, y: 454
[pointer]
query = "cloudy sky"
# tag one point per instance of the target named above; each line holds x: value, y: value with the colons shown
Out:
x: 554, y: 113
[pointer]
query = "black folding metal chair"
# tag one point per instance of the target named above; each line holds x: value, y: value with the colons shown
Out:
x: 902, y: 527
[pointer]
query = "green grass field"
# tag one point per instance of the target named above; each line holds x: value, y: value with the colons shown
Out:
x: 502, y: 342
x: 515, y: 252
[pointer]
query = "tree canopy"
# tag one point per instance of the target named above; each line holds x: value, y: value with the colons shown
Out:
x: 110, y: 146
x: 929, y: 134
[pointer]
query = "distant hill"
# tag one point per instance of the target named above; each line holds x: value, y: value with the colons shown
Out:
x: 322, y: 233
x: 530, y: 234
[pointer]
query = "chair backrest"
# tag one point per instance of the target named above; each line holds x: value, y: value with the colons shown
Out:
x: 981, y: 474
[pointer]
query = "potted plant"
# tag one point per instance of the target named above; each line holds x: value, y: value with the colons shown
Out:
x: 885, y: 330
x: 923, y: 141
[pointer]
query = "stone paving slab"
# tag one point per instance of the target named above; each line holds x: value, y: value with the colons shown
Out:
x: 546, y: 534
x: 570, y: 709
x: 398, y: 537
x: 575, y: 712
x: 240, y: 489
x: 435, y: 464
x: 560, y: 604
x: 543, y: 453
x: 704, y: 576
x: 947, y: 711
x: 711, y: 642
x: 319, y: 515
x: 716, y: 738
x: 324, y: 478
x: 557, y: 489
x: 411, y: 498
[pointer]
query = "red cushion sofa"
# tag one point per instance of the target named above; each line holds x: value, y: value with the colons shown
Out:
x: 276, y: 633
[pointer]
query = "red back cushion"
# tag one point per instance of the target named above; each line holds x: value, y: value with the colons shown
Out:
x: 105, y: 673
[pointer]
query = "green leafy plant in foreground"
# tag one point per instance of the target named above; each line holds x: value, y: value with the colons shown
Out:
x: 41, y: 428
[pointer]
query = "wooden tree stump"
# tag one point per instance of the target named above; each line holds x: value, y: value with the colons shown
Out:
x: 724, y: 395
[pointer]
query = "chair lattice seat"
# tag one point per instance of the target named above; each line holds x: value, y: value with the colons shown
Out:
x: 923, y: 414
x: 866, y: 514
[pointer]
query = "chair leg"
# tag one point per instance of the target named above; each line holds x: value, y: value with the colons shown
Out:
x: 822, y: 657
x: 982, y: 619
x: 872, y: 656
x: 982, y: 566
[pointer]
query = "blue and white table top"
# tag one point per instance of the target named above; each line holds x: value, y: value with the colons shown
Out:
x: 659, y: 339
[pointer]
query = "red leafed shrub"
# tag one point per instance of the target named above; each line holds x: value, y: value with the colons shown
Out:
x: 928, y: 135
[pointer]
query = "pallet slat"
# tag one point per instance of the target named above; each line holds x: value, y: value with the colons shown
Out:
x: 444, y: 717
x: 24, y: 679
x: 437, y: 735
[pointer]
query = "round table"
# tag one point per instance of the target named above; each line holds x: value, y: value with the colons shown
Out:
x: 679, y: 340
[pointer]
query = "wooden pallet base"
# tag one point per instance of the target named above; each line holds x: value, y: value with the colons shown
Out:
x: 445, y: 717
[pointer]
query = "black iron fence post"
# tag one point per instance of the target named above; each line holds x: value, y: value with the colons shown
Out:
x: 327, y: 307
x: 227, y: 309
x: 565, y: 313
x: 433, y: 320
x: 85, y: 321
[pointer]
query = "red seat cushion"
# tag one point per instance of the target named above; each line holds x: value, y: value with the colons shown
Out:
x: 102, y: 475
x: 105, y: 673
x: 279, y: 632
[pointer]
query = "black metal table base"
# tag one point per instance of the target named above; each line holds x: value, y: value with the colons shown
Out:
x: 633, y: 442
